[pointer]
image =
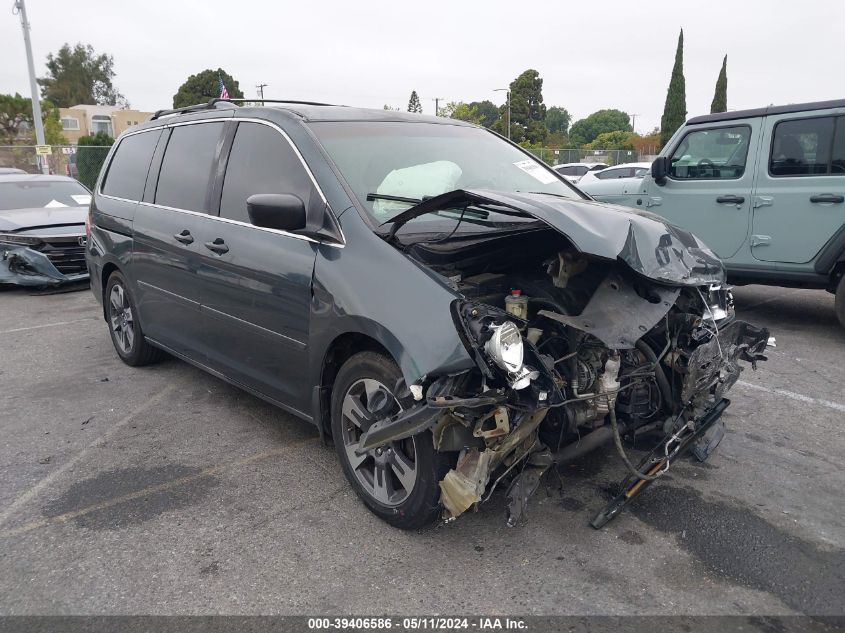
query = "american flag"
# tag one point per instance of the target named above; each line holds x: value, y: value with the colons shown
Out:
x: 224, y: 94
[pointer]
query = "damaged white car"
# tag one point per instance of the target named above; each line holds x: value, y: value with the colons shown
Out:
x: 42, y: 230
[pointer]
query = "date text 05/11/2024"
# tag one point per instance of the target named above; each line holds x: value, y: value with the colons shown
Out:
x: 431, y: 623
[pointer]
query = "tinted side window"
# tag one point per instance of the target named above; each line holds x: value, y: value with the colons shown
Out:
x: 566, y: 171
x: 128, y: 169
x: 186, y: 168
x: 261, y: 161
x: 711, y: 154
x: 837, y: 163
x: 609, y: 174
x: 801, y: 147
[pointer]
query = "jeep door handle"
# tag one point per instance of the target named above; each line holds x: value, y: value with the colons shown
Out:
x: 730, y: 199
x: 185, y: 237
x: 829, y: 198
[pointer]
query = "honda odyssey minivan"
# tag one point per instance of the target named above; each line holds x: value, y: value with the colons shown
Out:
x: 445, y: 308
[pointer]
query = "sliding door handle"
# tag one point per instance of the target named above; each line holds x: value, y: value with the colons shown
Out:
x: 185, y: 237
x: 218, y: 246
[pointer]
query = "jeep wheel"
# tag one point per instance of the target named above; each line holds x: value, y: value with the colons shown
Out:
x: 398, y: 482
x: 839, y: 302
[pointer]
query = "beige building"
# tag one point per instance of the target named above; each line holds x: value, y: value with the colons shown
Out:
x: 82, y: 120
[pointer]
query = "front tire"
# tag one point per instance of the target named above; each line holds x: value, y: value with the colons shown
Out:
x: 122, y: 318
x: 839, y: 302
x: 398, y: 482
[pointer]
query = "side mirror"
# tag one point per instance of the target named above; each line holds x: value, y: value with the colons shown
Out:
x: 281, y: 211
x: 660, y: 169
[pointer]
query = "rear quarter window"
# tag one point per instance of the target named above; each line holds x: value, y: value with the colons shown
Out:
x: 130, y: 163
x: 802, y: 147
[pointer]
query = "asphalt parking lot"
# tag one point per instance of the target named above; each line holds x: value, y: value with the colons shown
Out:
x: 164, y: 490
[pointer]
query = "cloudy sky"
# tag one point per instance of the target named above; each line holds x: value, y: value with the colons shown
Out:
x: 591, y: 55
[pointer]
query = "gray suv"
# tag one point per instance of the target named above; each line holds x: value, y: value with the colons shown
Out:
x: 444, y: 307
x: 764, y: 188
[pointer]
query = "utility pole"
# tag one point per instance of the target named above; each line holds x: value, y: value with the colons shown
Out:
x: 437, y: 101
x: 20, y: 8
x: 508, y: 91
x: 261, y: 88
x: 634, y: 123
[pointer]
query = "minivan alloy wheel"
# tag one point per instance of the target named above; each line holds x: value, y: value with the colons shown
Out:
x: 121, y: 318
x: 387, y: 473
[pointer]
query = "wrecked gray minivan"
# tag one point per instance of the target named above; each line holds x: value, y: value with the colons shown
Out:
x: 446, y: 308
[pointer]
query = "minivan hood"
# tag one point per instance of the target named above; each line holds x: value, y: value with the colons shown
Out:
x: 644, y: 241
x: 16, y: 220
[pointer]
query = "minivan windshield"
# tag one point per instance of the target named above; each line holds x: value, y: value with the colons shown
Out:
x: 396, y: 159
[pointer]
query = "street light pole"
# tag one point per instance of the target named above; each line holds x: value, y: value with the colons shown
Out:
x: 20, y: 7
x: 508, y: 92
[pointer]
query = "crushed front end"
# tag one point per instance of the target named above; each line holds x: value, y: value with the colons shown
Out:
x: 40, y: 261
x: 574, y: 350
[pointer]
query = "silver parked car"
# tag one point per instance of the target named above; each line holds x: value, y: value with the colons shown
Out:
x: 42, y: 230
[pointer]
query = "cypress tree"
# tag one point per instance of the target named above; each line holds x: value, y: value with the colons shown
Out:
x: 720, y: 98
x: 414, y: 103
x: 675, y: 109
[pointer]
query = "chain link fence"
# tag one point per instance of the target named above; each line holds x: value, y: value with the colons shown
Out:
x: 80, y: 162
x: 606, y: 156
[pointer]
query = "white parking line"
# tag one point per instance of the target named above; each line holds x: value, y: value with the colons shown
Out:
x: 795, y: 396
x: 38, y: 327
x: 49, y: 479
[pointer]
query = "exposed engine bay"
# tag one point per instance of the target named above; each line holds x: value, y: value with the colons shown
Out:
x: 573, y: 351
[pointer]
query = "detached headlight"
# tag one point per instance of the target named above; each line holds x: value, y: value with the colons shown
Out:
x: 505, y: 346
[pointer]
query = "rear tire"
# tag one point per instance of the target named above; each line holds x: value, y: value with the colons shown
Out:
x: 124, y: 327
x: 839, y: 302
x: 398, y: 482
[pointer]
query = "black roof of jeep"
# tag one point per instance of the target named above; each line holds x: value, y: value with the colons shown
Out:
x: 747, y: 114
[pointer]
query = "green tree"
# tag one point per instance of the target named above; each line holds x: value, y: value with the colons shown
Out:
x: 462, y: 111
x: 557, y: 120
x: 414, y: 103
x: 675, y: 108
x: 15, y: 117
x: 720, y: 98
x: 557, y: 140
x: 527, y: 109
x: 586, y: 130
x: 17, y: 123
x: 91, y: 153
x: 486, y: 111
x: 78, y: 75
x: 53, y: 132
x: 205, y: 86
x: 618, y: 139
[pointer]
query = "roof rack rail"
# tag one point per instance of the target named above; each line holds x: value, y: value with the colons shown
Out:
x: 314, y: 103
x: 212, y: 104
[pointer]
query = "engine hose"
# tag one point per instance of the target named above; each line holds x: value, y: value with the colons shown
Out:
x: 617, y: 440
x: 662, y: 382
